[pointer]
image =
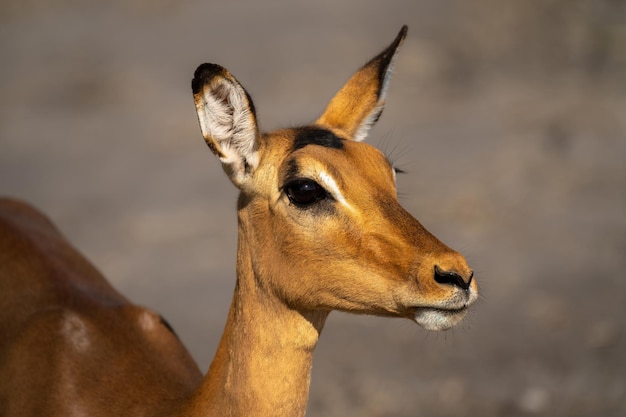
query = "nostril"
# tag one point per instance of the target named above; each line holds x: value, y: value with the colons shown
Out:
x: 452, y: 278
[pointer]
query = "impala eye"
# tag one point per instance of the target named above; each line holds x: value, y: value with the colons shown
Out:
x: 304, y: 193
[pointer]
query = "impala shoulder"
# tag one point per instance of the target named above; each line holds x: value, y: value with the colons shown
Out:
x: 148, y: 322
x: 80, y: 331
x: 50, y: 329
x: 19, y: 213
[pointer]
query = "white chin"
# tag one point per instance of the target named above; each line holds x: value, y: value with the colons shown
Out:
x: 437, y: 320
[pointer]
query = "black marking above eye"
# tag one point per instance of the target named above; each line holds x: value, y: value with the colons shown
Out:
x: 304, y: 193
x: 312, y: 135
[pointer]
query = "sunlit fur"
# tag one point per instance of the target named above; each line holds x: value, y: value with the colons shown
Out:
x: 357, y: 250
x: 72, y: 345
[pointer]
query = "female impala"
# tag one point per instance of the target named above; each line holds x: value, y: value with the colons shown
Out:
x: 320, y: 229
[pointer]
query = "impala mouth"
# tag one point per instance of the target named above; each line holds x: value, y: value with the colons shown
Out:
x: 437, y: 318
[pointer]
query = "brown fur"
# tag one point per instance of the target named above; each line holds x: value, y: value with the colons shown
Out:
x: 72, y: 345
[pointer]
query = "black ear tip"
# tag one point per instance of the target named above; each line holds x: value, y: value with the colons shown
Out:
x: 208, y: 70
x: 205, y: 73
x: 401, y: 35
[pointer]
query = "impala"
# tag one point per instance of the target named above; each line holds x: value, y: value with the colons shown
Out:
x: 320, y: 229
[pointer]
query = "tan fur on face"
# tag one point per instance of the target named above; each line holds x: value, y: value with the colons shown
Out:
x: 320, y: 229
x: 366, y: 254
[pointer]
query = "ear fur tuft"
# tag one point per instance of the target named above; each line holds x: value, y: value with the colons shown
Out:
x: 227, y: 120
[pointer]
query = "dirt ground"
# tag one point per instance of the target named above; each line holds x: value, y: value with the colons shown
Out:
x: 509, y: 118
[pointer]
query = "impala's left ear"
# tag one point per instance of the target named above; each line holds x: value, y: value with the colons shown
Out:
x: 359, y: 103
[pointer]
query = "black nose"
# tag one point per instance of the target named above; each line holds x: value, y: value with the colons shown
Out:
x: 452, y: 278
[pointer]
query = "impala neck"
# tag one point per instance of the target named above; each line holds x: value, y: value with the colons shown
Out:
x: 262, y: 366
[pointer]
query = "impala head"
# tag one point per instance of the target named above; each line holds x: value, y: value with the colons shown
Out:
x: 320, y: 222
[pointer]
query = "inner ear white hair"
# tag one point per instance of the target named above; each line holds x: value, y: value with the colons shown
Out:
x: 227, y: 120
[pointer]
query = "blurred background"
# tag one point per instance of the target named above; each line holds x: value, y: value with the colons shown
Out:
x: 509, y: 118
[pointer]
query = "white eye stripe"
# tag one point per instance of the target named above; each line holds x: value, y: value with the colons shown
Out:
x: 331, y: 186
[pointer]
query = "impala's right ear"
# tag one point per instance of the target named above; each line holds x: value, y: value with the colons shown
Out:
x: 227, y: 121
